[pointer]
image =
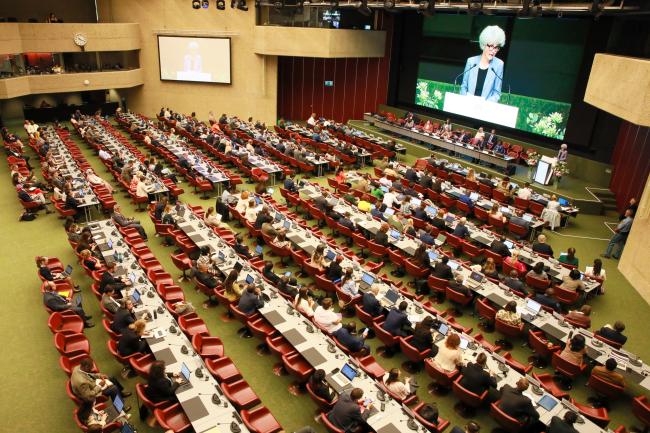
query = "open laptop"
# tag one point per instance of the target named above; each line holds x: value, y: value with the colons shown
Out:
x: 67, y: 272
x: 430, y: 210
x: 509, y: 244
x: 433, y: 256
x: 563, y: 202
x: 185, y: 379
x: 475, y: 279
x: 259, y: 249
x: 115, y: 410
x: 450, y: 218
x: 440, y: 240
x: 287, y: 224
x: 389, y: 211
x: 258, y: 200
x: 136, y: 297
x: 221, y: 257
x: 531, y: 310
x: 528, y: 217
x: 395, y: 234
x: 342, y: 380
x: 453, y: 265
x: 474, y: 196
x: 330, y: 255
x: 249, y: 279
x: 279, y: 216
x: 547, y: 402
x: 366, y: 280
x: 391, y: 296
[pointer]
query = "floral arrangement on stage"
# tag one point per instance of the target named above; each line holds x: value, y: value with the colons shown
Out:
x: 533, y: 158
x: 561, y: 169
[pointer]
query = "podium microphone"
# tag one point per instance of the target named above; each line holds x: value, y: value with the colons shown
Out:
x: 501, y: 78
x: 463, y: 73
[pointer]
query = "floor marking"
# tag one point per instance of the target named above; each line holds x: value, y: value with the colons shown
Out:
x: 582, y: 237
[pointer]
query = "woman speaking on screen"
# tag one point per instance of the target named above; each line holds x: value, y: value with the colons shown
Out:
x: 483, y: 74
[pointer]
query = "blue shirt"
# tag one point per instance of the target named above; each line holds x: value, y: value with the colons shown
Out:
x: 624, y: 226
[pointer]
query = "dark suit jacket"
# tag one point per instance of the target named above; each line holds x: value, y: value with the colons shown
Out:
x: 420, y: 213
x: 461, y: 231
x: 346, y: 222
x: 442, y: 270
x: 334, y: 272
x: 517, y: 405
x: 130, y: 343
x: 161, y: 389
x: 440, y: 224
x: 426, y: 181
x: 422, y: 339
x: 71, y: 202
x: 395, y: 322
x: 55, y: 302
x: 543, y: 248
x: 121, y: 320
x: 346, y: 413
x: 371, y: 305
x: 476, y: 379
x: 321, y: 389
x: 514, y: 284
x: 206, y: 279
x: 558, y: 425
x: 547, y: 301
x: 500, y: 248
x: 411, y: 175
x: 109, y: 280
x: 352, y: 342
x: 611, y: 334
x: 458, y: 287
x: 46, y: 273
x: 250, y: 302
x: 381, y: 238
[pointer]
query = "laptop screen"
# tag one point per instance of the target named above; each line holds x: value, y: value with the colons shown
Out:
x: 416, y: 202
x: 110, y: 244
x: 132, y: 277
x: 563, y: 201
x: 185, y: 372
x: 474, y: 196
x: 476, y: 276
x: 136, y: 296
x: 432, y: 256
x: 463, y: 343
x: 533, y: 306
x: 453, y: 265
x: 249, y: 279
x: 509, y: 244
x: 394, y: 234
x: 528, y: 217
x: 118, y: 403
x: 449, y: 218
x: 331, y: 255
x: 278, y: 216
x: 443, y: 328
x: 258, y: 200
x: 349, y: 372
x: 504, y: 209
x: 287, y: 224
x: 441, y: 238
x: 547, y: 402
x: 389, y: 211
x: 368, y: 279
x: 430, y: 209
x: 392, y: 295
x: 259, y: 249
x: 68, y: 270
x: 238, y: 266
x: 221, y: 255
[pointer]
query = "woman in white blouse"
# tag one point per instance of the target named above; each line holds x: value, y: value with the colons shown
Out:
x: 394, y: 385
x: 242, y: 204
x: 96, y: 180
x: 304, y: 303
x: 449, y: 355
x: 552, y: 212
x: 212, y: 218
x: 597, y: 273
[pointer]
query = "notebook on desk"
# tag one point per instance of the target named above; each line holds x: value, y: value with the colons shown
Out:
x: 313, y: 357
x: 294, y: 337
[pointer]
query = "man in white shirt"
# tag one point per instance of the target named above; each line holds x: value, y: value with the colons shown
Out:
x: 312, y: 120
x: 390, y: 198
x: 384, y: 181
x: 326, y: 318
x: 251, y: 211
x: 525, y: 193
x: 142, y: 189
x: 104, y: 155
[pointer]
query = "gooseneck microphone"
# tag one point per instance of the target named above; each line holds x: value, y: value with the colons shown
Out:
x: 463, y: 73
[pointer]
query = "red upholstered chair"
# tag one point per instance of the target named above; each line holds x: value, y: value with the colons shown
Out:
x: 66, y: 322
x: 223, y: 369
x: 566, y: 297
x: 140, y: 389
x: 513, y: 363
x: 124, y: 360
x: 494, y: 348
x: 469, y: 401
x: 182, y: 262
x: 67, y: 363
x: 598, y: 416
x: 442, y: 380
x: 507, y: 330
x: 142, y: 364
x: 614, y: 344
x: 170, y: 292
x: 328, y: 424
x: 509, y: 424
x: 547, y: 382
x: 521, y: 204
x: 520, y: 232
x: 279, y: 345
x: 497, y: 223
x: 366, y: 318
x: 409, y: 400
x: 192, y: 324
x: 207, y: 347
x: 371, y: 367
x: 438, y: 427
x: 458, y: 299
x: 322, y: 404
x: 438, y: 286
x: 641, y: 410
x: 390, y: 341
x: 536, y: 208
x: 415, y: 356
x: 106, y: 429
x: 107, y: 327
x: 538, y: 284
x: 297, y: 366
x: 173, y: 418
x: 487, y: 314
x: 604, y: 390
x: 539, y: 343
x: 240, y: 394
x: 567, y: 370
x: 260, y: 420
x: 71, y: 344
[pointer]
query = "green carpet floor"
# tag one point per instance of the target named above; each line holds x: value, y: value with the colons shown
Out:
x: 34, y: 399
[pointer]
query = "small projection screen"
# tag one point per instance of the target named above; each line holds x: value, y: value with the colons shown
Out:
x: 196, y: 59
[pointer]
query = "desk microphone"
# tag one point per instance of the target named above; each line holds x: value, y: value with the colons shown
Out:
x: 501, y: 78
x: 463, y: 73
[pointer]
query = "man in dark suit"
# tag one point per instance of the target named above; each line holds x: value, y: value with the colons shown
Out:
x: 442, y: 269
x: 425, y: 180
x: 426, y: 236
x: 614, y: 333
x: 123, y: 317
x: 541, y: 247
x: 321, y: 203
x: 55, y: 302
x: 491, y: 139
x: 457, y: 285
x: 334, y: 271
x: 411, y: 175
x: 251, y: 300
x: 378, y: 211
x: 436, y: 185
x: 564, y: 425
x: 420, y: 212
x: 548, y: 299
x: 515, y: 404
x: 461, y: 229
x: 498, y: 246
x: 290, y: 185
x: 370, y: 303
x: 109, y: 279
x: 477, y: 379
x: 381, y: 237
x: 397, y: 321
x: 241, y: 248
x: 347, y: 336
x: 348, y: 414
x: 345, y: 221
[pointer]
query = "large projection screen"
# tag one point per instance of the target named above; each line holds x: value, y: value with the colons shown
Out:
x: 195, y: 59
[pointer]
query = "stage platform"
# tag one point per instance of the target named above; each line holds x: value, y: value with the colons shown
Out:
x: 581, y: 193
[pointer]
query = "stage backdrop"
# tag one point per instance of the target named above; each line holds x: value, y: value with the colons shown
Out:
x: 631, y: 163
